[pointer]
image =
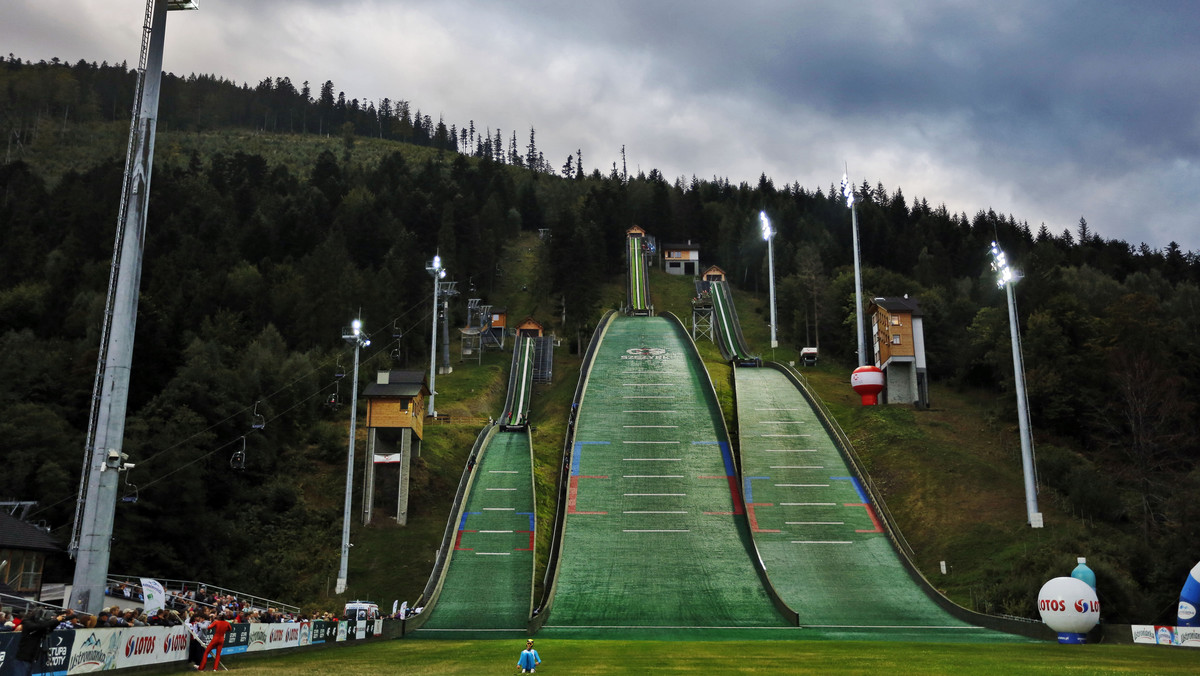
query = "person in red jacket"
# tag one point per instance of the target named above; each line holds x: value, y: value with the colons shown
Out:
x: 219, y: 627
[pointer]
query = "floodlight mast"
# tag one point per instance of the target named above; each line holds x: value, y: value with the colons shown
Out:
x: 354, y: 335
x: 103, y: 460
x: 1006, y: 278
x: 769, y: 235
x: 848, y: 193
x: 435, y: 269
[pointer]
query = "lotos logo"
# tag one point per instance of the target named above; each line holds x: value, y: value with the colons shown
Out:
x: 1056, y: 605
x: 175, y: 643
x: 1082, y: 606
x: 139, y: 645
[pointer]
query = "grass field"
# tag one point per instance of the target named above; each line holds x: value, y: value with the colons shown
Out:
x: 412, y: 656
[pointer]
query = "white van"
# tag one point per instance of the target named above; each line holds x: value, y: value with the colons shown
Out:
x: 361, y: 610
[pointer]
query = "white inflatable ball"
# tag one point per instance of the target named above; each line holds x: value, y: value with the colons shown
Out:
x: 1068, y: 605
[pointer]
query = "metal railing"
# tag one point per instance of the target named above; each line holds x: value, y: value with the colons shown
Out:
x: 178, y: 588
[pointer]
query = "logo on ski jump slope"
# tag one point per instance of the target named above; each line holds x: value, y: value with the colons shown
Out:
x: 646, y: 350
x: 645, y: 353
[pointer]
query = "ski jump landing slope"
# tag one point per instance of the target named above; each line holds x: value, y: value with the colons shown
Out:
x: 818, y: 533
x: 655, y: 535
x: 488, y: 584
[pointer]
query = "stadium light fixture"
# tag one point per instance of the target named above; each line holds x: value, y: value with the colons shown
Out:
x: 1006, y: 277
x: 354, y: 335
x: 435, y: 269
x: 769, y: 235
x: 848, y: 193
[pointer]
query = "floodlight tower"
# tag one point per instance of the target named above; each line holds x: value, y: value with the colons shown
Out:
x: 354, y: 335
x: 103, y: 460
x: 848, y: 193
x: 769, y: 235
x: 435, y: 269
x: 1006, y: 278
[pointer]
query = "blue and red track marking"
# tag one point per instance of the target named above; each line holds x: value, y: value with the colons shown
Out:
x: 862, y: 495
x: 865, y: 504
x: 730, y: 476
x: 462, y: 528
x: 573, y: 487
x: 750, y: 505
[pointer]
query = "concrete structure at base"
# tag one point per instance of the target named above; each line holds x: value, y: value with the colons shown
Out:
x: 900, y: 350
x: 395, y: 412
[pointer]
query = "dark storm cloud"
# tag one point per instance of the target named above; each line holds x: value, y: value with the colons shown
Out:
x: 1045, y: 110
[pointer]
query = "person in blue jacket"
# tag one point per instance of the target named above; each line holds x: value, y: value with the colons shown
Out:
x: 529, y: 659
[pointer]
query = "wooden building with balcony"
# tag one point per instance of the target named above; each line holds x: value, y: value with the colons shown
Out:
x: 899, y: 350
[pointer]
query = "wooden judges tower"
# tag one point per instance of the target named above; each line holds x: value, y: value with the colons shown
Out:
x: 395, y: 412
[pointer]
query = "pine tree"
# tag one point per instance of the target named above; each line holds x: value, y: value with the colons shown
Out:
x: 531, y: 151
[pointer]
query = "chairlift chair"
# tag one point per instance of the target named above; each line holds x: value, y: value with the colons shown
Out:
x: 339, y: 371
x: 131, y: 492
x: 238, y: 461
x: 332, y: 400
x: 259, y: 421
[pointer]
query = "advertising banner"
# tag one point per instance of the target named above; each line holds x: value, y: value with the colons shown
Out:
x: 86, y: 650
x: 54, y: 659
x: 237, y: 639
x: 323, y: 631
x: 142, y: 646
x: 1164, y: 635
x: 258, y: 637
x: 286, y: 635
x: 94, y: 650
x: 305, y: 632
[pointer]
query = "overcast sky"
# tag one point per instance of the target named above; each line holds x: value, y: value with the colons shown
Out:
x: 1045, y: 110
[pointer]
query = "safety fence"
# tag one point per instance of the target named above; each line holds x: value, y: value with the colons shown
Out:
x: 102, y: 649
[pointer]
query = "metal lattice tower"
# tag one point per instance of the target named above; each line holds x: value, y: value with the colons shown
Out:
x: 103, y: 459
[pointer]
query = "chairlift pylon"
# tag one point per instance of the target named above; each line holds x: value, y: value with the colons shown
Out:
x: 259, y: 421
x: 238, y: 460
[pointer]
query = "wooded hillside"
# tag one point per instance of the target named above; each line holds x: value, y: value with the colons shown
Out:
x: 254, y: 263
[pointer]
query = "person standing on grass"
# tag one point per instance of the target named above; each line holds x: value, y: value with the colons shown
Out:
x: 529, y: 659
x: 219, y: 628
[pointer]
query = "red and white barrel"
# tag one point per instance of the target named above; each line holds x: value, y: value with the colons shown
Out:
x: 867, y: 381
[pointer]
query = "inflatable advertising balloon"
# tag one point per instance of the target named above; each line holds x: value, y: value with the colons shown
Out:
x: 1069, y: 607
x: 1189, y: 600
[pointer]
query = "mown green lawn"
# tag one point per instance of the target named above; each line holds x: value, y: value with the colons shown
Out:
x: 415, y: 656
